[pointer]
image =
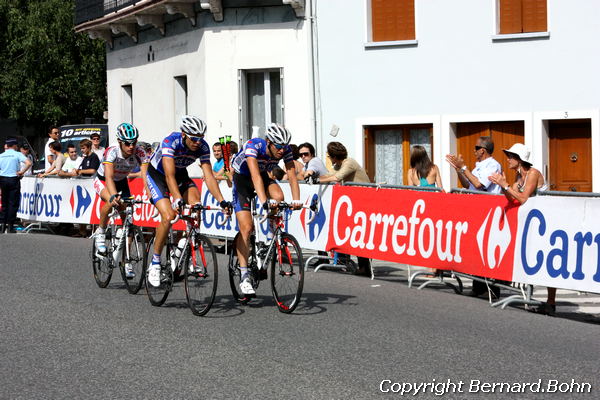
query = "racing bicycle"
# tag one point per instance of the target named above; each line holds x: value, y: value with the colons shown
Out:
x: 193, y: 256
x: 281, y: 253
x: 129, y: 238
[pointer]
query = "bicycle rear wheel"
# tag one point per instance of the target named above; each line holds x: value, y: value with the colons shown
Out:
x: 137, y: 260
x: 102, y: 266
x: 158, y: 294
x: 234, y: 275
x: 201, y: 275
x: 287, y: 274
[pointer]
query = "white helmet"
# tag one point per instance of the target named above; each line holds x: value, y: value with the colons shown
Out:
x: 192, y: 126
x: 277, y: 134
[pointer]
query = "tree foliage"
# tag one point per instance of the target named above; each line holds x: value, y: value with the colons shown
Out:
x: 48, y: 73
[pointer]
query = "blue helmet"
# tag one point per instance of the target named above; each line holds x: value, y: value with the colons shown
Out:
x: 127, y: 132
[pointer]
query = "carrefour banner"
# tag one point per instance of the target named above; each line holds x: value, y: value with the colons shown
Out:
x: 473, y: 234
x: 310, y: 229
x: 558, y: 243
x: 56, y: 200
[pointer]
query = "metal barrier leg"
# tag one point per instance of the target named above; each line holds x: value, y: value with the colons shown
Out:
x: 439, y: 280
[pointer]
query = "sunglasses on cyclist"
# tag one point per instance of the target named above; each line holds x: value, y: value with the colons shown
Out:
x: 279, y: 146
x: 128, y: 143
x: 195, y: 139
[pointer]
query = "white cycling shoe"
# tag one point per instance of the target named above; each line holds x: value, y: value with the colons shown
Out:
x: 100, y: 240
x: 129, y: 273
x: 154, y: 275
x: 246, y: 287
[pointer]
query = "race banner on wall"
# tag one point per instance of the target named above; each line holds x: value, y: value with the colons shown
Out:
x: 467, y: 233
x: 56, y: 200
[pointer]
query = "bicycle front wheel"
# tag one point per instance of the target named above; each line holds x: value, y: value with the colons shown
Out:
x: 287, y: 274
x: 102, y: 266
x: 158, y: 294
x: 201, y: 275
x: 135, y: 259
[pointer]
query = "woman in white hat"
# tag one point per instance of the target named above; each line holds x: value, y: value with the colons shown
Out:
x: 529, y: 181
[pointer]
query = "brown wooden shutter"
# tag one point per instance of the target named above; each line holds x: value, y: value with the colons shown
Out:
x: 392, y: 20
x: 510, y: 16
x: 535, y: 18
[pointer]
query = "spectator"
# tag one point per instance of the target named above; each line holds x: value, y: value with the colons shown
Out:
x: 48, y: 155
x: 90, y: 163
x: 347, y: 170
x: 58, y: 162
x: 10, y: 184
x: 478, y: 179
x: 422, y: 171
x: 218, y: 166
x: 96, y: 148
x: 277, y: 173
x: 233, y: 150
x: 69, y: 168
x: 297, y: 164
x: 529, y: 181
x: 313, y: 166
x: 26, y: 151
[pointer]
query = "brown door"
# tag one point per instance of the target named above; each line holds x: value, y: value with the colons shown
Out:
x: 570, y: 155
x: 504, y: 134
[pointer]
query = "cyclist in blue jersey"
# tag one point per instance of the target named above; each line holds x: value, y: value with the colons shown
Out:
x: 167, y: 174
x: 250, y: 178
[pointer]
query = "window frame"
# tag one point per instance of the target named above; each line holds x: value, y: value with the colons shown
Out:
x: 370, y: 44
x: 497, y: 36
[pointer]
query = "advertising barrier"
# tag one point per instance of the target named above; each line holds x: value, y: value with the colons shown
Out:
x: 550, y: 241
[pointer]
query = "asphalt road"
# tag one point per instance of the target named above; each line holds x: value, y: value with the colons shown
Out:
x: 63, y: 337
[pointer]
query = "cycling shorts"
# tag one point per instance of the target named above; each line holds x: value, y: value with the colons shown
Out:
x: 243, y: 190
x: 157, y: 183
x: 122, y: 186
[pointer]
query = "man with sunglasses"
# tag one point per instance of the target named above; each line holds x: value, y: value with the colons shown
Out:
x: 167, y: 174
x: 111, y: 179
x: 250, y: 178
x: 486, y: 165
x: 478, y: 179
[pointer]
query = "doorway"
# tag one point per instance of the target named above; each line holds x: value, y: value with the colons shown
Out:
x: 570, y: 143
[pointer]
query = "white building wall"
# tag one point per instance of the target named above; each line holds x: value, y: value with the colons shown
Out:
x: 458, y: 72
x: 211, y: 59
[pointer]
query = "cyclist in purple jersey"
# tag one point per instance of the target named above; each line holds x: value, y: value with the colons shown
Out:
x: 250, y: 178
x: 167, y: 174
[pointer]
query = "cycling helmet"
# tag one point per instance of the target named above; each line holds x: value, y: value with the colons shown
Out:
x: 192, y: 126
x: 277, y: 134
x: 127, y: 132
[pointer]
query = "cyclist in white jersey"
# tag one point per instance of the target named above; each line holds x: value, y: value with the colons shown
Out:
x: 111, y: 179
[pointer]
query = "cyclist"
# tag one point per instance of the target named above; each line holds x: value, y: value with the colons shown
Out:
x: 111, y: 179
x: 250, y: 178
x: 167, y: 173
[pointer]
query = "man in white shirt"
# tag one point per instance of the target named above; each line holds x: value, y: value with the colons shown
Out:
x: 48, y: 154
x: 478, y: 179
x: 69, y: 168
x: 96, y: 148
x: 486, y: 165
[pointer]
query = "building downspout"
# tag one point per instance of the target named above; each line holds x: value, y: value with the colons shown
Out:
x: 314, y: 78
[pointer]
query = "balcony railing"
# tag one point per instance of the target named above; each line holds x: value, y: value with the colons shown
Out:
x: 88, y: 10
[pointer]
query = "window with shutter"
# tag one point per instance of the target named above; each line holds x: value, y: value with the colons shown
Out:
x: 392, y: 20
x: 522, y: 16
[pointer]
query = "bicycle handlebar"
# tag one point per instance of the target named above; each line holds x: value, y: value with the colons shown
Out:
x: 282, y: 206
x: 198, y: 207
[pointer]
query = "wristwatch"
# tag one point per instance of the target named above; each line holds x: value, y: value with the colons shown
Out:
x: 463, y: 168
x: 505, y: 188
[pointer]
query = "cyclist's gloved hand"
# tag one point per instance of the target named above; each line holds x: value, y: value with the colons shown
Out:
x: 226, y: 206
x: 296, y: 204
x: 114, y: 199
x: 178, y: 204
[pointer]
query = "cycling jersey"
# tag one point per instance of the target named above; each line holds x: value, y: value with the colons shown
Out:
x: 257, y: 148
x: 122, y: 166
x: 173, y: 146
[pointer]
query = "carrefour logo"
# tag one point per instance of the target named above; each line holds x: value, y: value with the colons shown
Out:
x: 492, y: 237
x: 80, y: 200
x: 315, y: 227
